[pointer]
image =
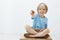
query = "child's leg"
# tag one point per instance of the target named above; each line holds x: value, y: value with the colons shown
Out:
x: 44, y: 32
x: 41, y: 34
x: 29, y: 29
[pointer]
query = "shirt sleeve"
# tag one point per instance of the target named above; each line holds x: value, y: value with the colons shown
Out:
x: 46, y: 23
x: 34, y: 17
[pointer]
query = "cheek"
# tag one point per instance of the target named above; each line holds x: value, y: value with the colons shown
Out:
x: 44, y: 11
x: 39, y: 11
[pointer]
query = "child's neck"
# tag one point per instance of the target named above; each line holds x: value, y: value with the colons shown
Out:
x: 42, y: 16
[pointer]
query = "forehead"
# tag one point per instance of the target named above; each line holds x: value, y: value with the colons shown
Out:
x: 42, y: 6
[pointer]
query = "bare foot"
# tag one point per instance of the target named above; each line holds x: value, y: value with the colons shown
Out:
x: 37, y: 35
x: 32, y: 35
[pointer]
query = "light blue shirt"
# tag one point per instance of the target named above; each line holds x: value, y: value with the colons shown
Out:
x: 39, y: 22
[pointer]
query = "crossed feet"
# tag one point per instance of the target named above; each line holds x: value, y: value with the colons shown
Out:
x: 35, y: 36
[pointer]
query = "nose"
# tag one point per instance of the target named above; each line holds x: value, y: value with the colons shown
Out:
x: 41, y: 11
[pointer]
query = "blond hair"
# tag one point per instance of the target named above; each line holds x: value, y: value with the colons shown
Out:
x: 44, y: 5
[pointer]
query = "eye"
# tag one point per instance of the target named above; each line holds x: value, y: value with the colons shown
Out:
x: 43, y: 9
x: 39, y: 9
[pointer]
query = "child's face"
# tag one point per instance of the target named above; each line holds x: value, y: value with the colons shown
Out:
x: 42, y: 9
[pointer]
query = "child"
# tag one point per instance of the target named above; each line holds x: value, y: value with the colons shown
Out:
x: 39, y: 28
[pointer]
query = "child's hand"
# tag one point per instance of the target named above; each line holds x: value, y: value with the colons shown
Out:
x: 32, y: 13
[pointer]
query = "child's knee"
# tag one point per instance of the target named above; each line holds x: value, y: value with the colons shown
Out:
x: 27, y: 27
x: 47, y: 29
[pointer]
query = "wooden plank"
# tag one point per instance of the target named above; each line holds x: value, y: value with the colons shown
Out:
x: 23, y: 38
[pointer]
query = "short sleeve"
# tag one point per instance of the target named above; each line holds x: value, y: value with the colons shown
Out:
x: 34, y: 17
x: 46, y: 23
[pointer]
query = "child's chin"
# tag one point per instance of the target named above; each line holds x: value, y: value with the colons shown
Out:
x: 41, y: 14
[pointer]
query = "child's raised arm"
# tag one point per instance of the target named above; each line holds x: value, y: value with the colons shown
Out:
x: 32, y: 14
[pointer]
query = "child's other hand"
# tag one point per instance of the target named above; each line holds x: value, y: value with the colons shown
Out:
x: 32, y: 13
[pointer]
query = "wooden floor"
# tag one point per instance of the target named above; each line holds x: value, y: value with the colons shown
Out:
x: 23, y: 38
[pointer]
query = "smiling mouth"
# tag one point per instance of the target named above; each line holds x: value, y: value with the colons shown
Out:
x: 42, y: 13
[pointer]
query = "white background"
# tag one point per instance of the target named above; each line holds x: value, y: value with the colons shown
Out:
x: 15, y: 14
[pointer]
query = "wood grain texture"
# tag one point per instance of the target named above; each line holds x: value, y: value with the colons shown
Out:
x: 23, y: 38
